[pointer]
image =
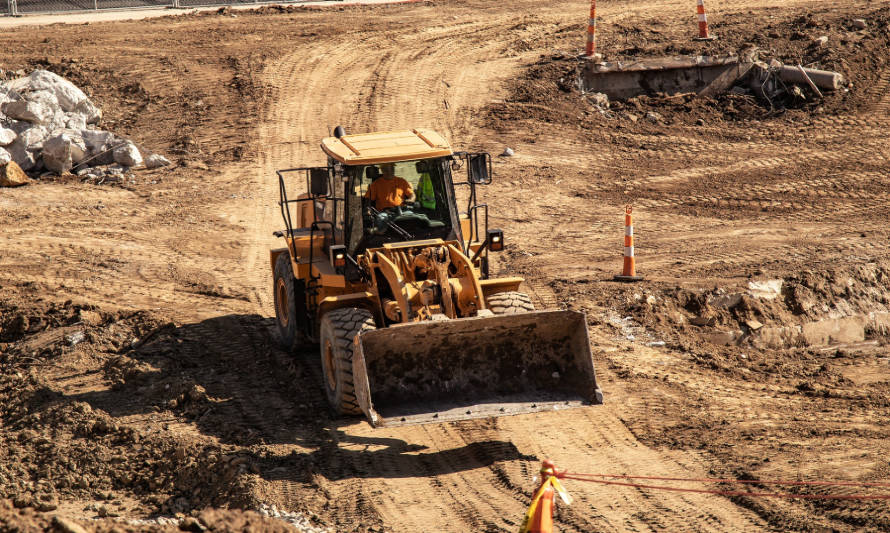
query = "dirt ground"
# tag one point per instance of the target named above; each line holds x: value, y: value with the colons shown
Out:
x: 139, y: 375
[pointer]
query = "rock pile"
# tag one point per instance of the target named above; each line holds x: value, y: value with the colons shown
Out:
x: 48, y: 123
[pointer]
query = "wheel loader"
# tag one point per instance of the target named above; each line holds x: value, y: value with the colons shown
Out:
x: 391, y: 280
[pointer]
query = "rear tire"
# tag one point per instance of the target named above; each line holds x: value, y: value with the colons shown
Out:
x: 510, y: 303
x: 338, y: 331
x: 289, y: 330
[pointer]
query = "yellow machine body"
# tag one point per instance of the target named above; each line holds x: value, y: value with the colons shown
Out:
x: 441, y: 347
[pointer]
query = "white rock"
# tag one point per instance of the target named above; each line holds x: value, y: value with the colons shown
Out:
x: 7, y: 95
x: 66, y: 93
x: 156, y: 161
x: 58, y: 122
x: 99, y: 146
x: 653, y: 117
x: 767, y: 289
x: 97, y: 139
x: 7, y: 136
x: 90, y: 112
x: 599, y: 99
x: 75, y: 121
x: 128, y: 155
x: 5, y: 157
x: 508, y: 152
x: 820, y: 41
x: 60, y: 152
x: 33, y: 137
x: 21, y: 155
x: 33, y: 112
x: 44, y: 97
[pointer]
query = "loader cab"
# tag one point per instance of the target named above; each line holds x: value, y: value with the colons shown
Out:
x: 431, y: 215
x: 335, y: 210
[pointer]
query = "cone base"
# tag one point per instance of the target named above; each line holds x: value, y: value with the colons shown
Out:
x: 709, y: 38
x: 628, y: 279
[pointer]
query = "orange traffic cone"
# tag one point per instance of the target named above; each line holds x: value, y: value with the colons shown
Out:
x: 542, y: 520
x: 703, y: 33
x: 590, y: 50
x: 630, y: 268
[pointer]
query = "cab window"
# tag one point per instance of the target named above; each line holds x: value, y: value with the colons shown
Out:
x: 408, y: 203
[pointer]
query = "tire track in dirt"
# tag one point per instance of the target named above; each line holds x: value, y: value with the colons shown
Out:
x: 595, y: 440
x: 404, y: 86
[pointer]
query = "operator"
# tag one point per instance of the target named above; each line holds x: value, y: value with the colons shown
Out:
x: 391, y: 190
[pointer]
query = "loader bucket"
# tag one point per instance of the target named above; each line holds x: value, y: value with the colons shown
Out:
x: 437, y: 371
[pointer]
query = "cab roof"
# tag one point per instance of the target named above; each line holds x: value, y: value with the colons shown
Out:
x: 386, y: 147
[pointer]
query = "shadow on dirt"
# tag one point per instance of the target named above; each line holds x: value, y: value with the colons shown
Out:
x: 228, y: 378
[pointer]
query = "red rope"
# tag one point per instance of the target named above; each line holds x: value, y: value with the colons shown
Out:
x: 735, y: 493
x: 717, y: 480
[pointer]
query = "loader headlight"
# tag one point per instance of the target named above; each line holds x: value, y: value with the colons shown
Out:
x: 495, y: 240
x: 338, y: 257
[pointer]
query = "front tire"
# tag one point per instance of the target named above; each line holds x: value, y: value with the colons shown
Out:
x: 289, y: 329
x: 338, y: 331
x: 510, y: 303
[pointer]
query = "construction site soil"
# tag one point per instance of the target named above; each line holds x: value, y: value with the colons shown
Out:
x: 139, y: 373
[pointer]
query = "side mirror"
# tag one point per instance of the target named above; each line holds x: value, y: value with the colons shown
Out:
x: 479, y: 168
x: 319, y: 179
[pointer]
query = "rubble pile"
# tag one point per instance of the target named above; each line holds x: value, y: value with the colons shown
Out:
x: 47, y: 124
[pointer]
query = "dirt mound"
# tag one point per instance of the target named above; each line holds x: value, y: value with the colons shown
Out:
x: 798, y: 328
x: 549, y: 90
x: 56, y: 446
x: 16, y: 518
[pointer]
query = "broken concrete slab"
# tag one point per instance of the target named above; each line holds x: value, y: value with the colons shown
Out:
x: 726, y: 79
x: 671, y: 75
x: 705, y: 75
